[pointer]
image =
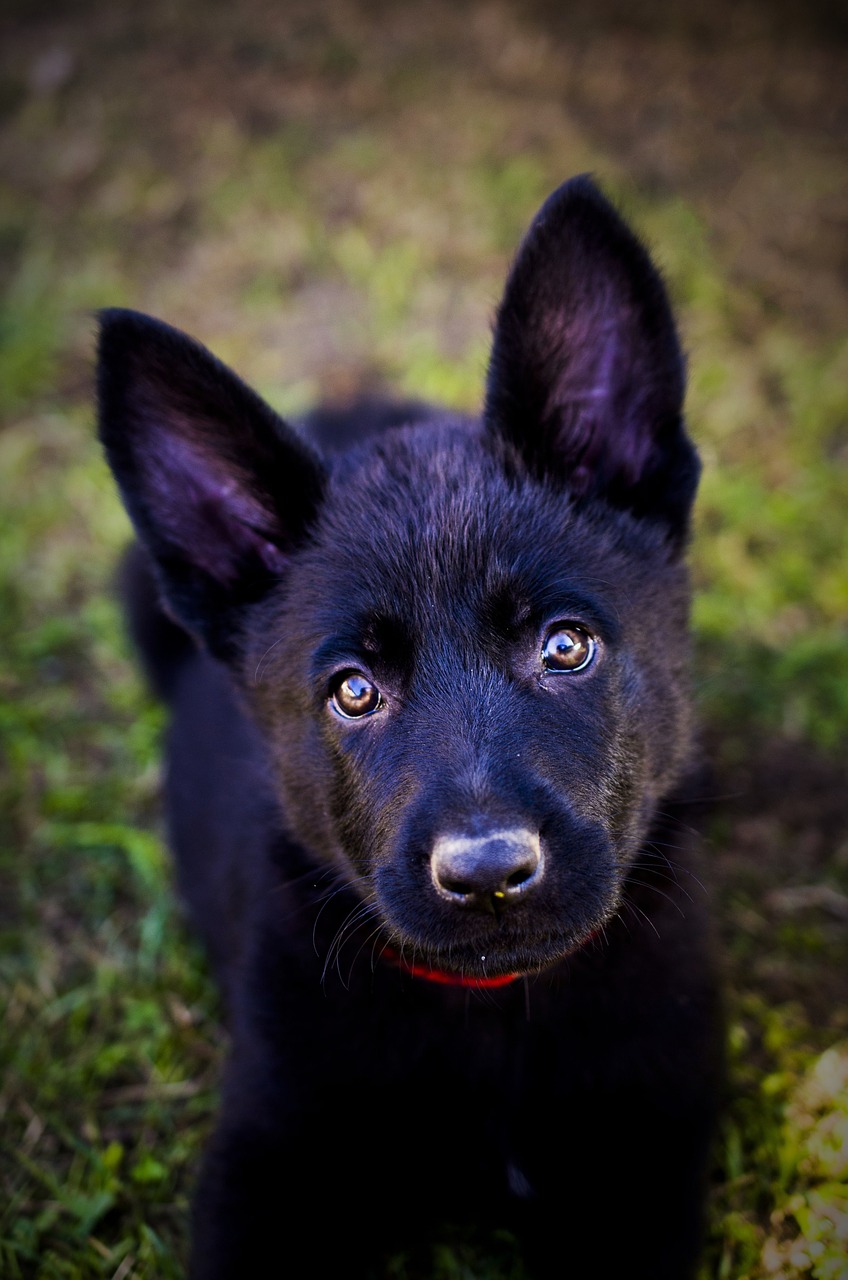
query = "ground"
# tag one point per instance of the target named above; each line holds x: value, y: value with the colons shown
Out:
x: 328, y: 194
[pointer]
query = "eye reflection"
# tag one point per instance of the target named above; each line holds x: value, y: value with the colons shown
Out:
x: 567, y: 648
x: 356, y: 696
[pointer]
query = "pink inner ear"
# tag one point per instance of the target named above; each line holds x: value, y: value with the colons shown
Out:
x: 599, y: 396
x: 206, y: 506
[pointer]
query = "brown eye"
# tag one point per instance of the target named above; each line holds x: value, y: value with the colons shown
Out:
x: 355, y: 696
x: 567, y: 648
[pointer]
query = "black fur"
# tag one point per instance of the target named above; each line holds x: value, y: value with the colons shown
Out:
x: 499, y: 790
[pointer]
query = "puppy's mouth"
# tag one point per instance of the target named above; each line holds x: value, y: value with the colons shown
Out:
x: 483, y: 970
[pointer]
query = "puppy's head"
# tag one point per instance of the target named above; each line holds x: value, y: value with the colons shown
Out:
x: 466, y: 644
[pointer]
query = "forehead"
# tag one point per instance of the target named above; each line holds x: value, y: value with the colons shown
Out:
x: 428, y: 511
x: 437, y: 528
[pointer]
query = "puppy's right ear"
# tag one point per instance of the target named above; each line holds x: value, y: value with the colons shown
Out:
x: 219, y: 488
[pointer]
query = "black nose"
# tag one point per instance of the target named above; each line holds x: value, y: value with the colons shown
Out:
x: 487, y: 872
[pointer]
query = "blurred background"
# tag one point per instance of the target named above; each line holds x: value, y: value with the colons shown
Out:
x: 328, y: 193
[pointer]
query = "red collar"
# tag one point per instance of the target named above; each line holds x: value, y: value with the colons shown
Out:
x: 447, y: 979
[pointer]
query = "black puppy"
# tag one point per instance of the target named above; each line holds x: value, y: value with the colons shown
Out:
x: 430, y: 744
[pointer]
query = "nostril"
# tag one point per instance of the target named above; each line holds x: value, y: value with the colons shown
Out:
x: 453, y: 885
x: 481, y: 871
x: 449, y: 884
x: 519, y: 877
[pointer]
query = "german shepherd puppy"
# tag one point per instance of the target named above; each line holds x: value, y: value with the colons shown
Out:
x: 430, y: 747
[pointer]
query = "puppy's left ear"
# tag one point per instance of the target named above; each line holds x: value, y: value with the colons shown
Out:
x: 587, y: 376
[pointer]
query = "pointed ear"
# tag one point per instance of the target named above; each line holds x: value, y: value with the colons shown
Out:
x: 587, y: 376
x: 219, y: 489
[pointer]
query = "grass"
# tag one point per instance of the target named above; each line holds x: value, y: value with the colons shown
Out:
x: 343, y: 225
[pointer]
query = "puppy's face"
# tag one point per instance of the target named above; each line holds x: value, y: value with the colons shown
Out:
x: 476, y: 693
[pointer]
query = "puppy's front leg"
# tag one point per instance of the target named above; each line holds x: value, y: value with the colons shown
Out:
x: 276, y: 1204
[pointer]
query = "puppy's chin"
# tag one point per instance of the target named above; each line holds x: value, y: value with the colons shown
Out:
x: 517, y: 954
